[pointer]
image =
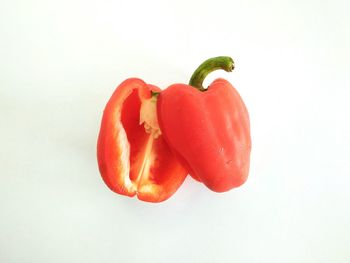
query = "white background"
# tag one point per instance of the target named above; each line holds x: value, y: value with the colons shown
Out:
x: 61, y: 60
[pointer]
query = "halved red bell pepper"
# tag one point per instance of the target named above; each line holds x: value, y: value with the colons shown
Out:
x: 133, y: 157
x: 208, y: 129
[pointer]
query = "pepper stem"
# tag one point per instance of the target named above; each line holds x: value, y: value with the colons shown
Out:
x: 155, y: 94
x: 210, y: 65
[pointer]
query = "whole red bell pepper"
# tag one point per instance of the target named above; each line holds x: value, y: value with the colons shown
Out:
x: 132, y: 155
x: 208, y: 129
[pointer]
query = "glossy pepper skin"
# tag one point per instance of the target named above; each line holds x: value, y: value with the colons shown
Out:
x: 208, y: 129
x: 132, y: 155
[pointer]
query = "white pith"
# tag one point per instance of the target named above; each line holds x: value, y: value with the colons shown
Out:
x: 149, y: 118
x: 146, y: 162
x: 124, y: 156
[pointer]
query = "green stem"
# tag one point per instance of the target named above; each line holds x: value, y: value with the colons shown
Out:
x: 154, y: 94
x: 210, y: 65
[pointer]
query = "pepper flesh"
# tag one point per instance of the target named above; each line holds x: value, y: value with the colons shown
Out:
x: 208, y: 131
x: 131, y: 160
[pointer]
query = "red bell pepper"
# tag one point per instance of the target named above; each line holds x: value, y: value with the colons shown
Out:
x: 133, y: 158
x: 208, y: 129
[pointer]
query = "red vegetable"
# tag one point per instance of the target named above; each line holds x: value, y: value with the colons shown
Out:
x: 203, y: 131
x: 208, y: 129
x: 133, y: 158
